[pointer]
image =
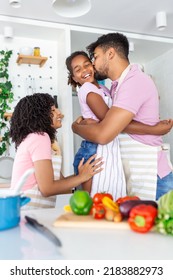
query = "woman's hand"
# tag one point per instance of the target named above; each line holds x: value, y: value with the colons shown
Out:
x: 90, y: 168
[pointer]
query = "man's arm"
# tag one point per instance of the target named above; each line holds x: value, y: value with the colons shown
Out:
x: 105, y: 131
x: 161, y: 128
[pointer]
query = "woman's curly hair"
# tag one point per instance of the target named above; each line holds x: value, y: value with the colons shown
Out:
x: 32, y: 114
x: 69, y: 67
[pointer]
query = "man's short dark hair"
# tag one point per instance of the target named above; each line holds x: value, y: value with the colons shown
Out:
x: 117, y: 41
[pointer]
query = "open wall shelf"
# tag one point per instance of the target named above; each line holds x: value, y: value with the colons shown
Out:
x: 30, y: 59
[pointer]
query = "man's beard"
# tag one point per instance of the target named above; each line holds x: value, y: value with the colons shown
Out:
x: 99, y: 77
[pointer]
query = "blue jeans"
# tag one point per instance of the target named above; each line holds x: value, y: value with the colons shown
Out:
x: 86, y: 150
x: 164, y: 185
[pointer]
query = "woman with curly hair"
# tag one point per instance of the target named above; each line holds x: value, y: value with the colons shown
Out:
x: 33, y: 130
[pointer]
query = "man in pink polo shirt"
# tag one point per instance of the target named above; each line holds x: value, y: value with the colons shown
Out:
x: 135, y: 98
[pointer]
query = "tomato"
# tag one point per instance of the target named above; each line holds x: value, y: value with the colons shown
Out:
x: 97, y: 198
x: 126, y: 198
x: 98, y: 211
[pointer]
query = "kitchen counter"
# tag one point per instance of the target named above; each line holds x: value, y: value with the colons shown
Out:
x: 24, y: 242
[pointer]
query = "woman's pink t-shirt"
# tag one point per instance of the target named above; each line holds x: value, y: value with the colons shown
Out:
x: 34, y: 147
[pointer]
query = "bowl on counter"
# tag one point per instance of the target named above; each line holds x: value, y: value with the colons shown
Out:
x: 26, y: 50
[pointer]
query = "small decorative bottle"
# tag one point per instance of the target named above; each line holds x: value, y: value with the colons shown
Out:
x: 36, y: 51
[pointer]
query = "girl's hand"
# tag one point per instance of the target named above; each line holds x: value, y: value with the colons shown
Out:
x: 164, y: 126
x: 90, y: 168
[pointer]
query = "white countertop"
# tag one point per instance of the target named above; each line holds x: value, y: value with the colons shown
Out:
x: 23, y: 242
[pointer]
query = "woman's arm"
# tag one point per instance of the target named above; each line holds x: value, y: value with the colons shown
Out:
x: 48, y: 186
x: 161, y: 128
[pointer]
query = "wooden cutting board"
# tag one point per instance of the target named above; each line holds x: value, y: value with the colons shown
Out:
x: 72, y: 220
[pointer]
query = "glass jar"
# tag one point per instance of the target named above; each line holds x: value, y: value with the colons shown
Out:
x: 36, y: 51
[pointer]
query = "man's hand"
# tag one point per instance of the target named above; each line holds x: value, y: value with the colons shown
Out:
x: 88, y: 121
x: 79, y: 120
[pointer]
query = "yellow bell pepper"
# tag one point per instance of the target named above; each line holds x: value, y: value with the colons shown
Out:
x: 109, y: 203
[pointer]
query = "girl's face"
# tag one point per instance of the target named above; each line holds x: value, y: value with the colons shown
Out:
x: 56, y: 117
x: 83, y: 70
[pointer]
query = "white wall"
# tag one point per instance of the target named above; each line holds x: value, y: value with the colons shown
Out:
x: 162, y: 74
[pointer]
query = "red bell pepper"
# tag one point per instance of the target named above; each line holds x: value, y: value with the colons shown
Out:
x: 142, y: 218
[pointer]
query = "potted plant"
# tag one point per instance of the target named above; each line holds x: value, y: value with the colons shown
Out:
x: 6, y: 98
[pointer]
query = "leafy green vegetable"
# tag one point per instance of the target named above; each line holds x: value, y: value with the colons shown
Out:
x: 165, y: 205
x: 164, y: 220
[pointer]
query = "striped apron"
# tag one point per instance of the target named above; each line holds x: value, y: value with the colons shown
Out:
x: 37, y: 200
x: 140, y: 167
x: 111, y: 179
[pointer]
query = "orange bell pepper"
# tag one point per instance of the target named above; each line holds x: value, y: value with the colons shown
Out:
x: 142, y: 218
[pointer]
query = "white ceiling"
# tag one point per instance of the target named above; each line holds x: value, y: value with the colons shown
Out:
x: 128, y: 16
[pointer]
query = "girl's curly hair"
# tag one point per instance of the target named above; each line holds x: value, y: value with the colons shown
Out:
x: 32, y: 114
x: 69, y: 67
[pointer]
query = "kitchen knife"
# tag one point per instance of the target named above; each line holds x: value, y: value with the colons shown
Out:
x: 42, y: 229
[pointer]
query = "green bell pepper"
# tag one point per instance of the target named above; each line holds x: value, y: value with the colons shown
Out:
x: 81, y: 202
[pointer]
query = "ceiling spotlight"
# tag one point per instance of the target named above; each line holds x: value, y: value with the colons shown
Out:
x: 71, y: 8
x: 131, y: 47
x: 8, y: 32
x: 161, y: 21
x: 15, y: 3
